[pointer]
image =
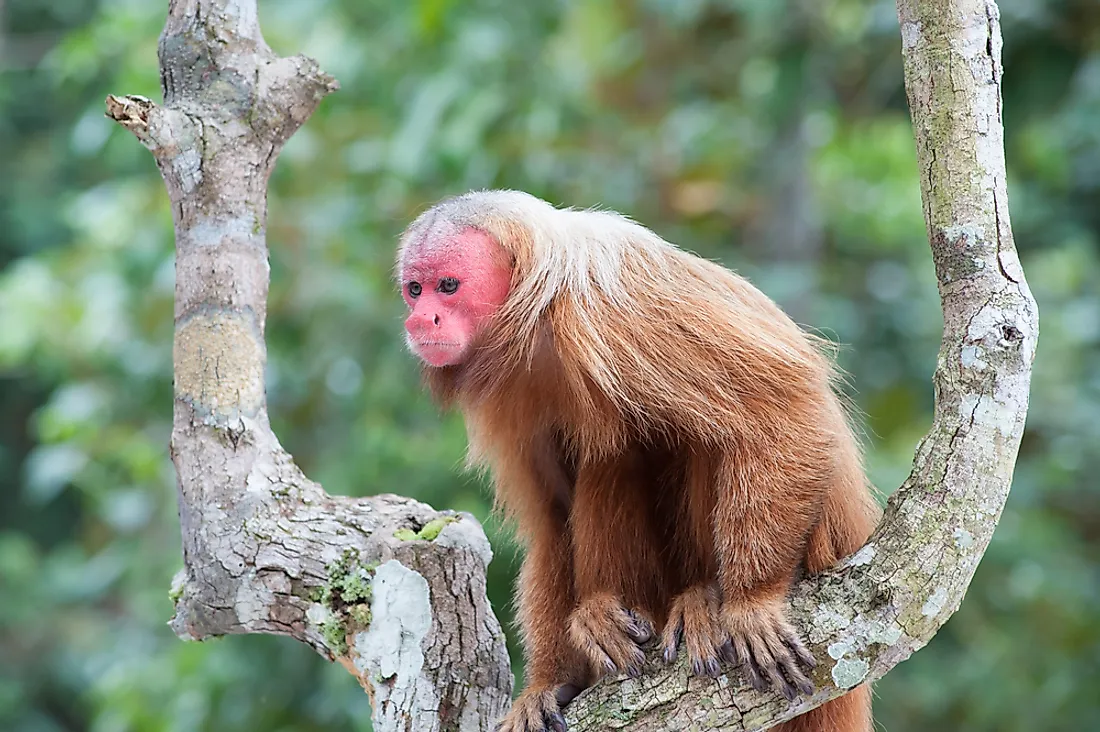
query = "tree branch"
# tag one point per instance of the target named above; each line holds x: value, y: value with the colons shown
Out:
x: 888, y: 600
x: 390, y: 588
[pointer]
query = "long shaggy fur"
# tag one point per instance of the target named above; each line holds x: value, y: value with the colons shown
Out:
x: 653, y: 422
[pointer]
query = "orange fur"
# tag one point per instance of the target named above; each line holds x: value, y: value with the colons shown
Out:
x: 664, y: 436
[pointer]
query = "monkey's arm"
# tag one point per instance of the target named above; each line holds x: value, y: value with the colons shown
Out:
x: 617, y: 557
x: 555, y: 672
x: 545, y: 598
x: 767, y: 497
x: 534, y: 488
x: 771, y: 487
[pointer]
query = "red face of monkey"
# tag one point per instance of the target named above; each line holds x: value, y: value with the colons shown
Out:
x: 451, y: 286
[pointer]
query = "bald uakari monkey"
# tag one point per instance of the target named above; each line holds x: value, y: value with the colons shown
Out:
x: 667, y: 440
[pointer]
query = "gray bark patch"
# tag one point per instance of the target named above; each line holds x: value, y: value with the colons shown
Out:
x: 389, y: 654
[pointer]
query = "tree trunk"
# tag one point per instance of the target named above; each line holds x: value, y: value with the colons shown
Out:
x: 396, y: 591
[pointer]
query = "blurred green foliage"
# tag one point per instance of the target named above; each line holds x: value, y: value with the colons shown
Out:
x: 772, y: 135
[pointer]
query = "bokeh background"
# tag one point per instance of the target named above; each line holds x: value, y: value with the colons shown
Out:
x: 770, y: 134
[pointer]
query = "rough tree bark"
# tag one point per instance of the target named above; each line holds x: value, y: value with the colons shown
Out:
x: 396, y: 591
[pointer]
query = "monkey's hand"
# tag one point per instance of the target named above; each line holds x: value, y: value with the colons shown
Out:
x: 755, y: 635
x: 695, y: 620
x: 609, y: 635
x: 536, y: 709
x: 767, y: 646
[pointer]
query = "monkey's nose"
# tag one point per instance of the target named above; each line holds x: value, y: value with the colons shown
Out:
x: 420, y: 323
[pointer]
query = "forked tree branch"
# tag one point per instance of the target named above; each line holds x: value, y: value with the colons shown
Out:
x: 392, y: 589
x: 396, y: 591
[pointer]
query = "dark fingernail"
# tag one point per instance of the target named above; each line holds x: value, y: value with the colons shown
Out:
x: 697, y: 667
x: 669, y: 654
x: 806, y: 687
x: 557, y: 722
x: 633, y: 671
x: 639, y: 628
x: 788, y: 692
x: 609, y: 666
x: 712, y: 668
x: 728, y: 654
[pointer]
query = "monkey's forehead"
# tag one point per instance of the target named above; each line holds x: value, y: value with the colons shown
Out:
x: 476, y: 209
x: 465, y: 251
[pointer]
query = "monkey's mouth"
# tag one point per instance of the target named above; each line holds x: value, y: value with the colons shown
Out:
x: 437, y: 353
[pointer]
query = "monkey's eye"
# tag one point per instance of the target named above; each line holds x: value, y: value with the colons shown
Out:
x: 415, y: 289
x: 448, y: 285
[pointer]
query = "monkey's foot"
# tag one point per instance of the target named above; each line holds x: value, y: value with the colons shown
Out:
x: 767, y: 647
x: 695, y: 620
x: 609, y: 635
x: 534, y: 710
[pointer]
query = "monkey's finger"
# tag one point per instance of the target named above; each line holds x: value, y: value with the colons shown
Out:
x: 635, y: 662
x: 703, y: 637
x: 672, y: 637
x: 766, y: 662
x: 800, y: 651
x: 533, y: 716
x: 605, y: 662
x: 795, y: 675
x: 785, y: 662
x: 585, y: 633
x: 707, y: 666
x: 728, y: 654
x: 782, y: 685
x: 602, y: 647
x: 639, y: 628
x: 623, y: 646
x: 614, y: 631
x: 748, y: 664
x: 548, y: 714
x: 703, y: 652
x: 555, y: 721
x: 601, y: 660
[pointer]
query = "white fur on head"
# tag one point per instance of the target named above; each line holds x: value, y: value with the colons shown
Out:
x: 573, y: 252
